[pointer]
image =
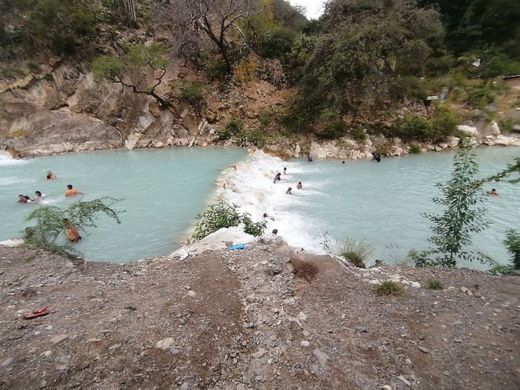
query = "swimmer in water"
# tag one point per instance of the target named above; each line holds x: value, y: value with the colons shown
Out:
x: 38, y: 196
x: 285, y: 170
x: 72, y: 191
x: 268, y: 217
x: 278, y: 177
x: 23, y: 198
x: 72, y: 232
x: 289, y: 191
x: 51, y: 176
x: 493, y: 192
x: 376, y: 156
x: 299, y: 186
x: 309, y: 158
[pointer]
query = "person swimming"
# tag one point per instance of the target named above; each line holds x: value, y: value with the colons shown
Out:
x: 51, y: 176
x: 309, y: 158
x: 268, y: 216
x: 299, y: 185
x: 493, y: 192
x: 72, y: 191
x: 289, y: 191
x: 285, y: 170
x: 23, y: 199
x: 376, y: 156
x: 38, y: 196
x: 278, y: 177
x: 72, y: 232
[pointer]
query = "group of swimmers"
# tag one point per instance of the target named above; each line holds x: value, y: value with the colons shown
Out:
x: 72, y: 233
x: 278, y: 177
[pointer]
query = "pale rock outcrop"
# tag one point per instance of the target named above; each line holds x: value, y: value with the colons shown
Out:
x: 452, y: 142
x: 503, y: 140
x: 468, y: 130
x: 493, y: 129
x: 60, y: 131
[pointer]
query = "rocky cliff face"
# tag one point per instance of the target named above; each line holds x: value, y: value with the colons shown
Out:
x: 62, y: 108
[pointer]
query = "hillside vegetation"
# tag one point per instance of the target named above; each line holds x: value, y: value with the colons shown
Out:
x: 366, y: 66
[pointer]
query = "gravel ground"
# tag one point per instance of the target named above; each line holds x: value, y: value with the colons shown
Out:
x: 262, y: 318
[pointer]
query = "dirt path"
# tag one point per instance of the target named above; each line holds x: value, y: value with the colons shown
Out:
x: 237, y: 320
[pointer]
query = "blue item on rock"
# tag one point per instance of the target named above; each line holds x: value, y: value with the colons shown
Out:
x: 237, y: 247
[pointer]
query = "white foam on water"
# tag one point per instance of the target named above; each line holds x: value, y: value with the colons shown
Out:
x: 249, y: 185
x: 6, y: 159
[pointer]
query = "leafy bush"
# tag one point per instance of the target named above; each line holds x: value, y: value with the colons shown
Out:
x: 232, y: 129
x: 355, y: 252
x: 50, y: 223
x: 442, y: 124
x: 434, y: 284
x: 333, y: 130
x: 388, y: 288
x: 415, y: 149
x: 482, y: 95
x: 512, y: 243
x: 506, y: 125
x: 499, y: 64
x: 190, y: 92
x: 359, y: 134
x: 276, y: 42
x: 256, y: 229
x: 420, y: 258
x: 223, y: 215
x: 257, y: 137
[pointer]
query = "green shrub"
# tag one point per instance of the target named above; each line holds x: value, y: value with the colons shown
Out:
x: 232, y: 129
x: 257, y: 137
x: 506, y: 125
x: 499, y: 269
x: 50, y: 225
x: 388, y: 288
x: 415, y: 149
x: 420, y: 259
x: 482, y: 95
x: 275, y: 42
x: 191, y: 92
x: 333, y: 130
x: 265, y: 118
x: 499, y: 64
x: 434, y: 284
x: 359, y: 134
x: 223, y: 215
x: 512, y: 243
x: 355, y: 252
x: 442, y: 124
x: 256, y: 229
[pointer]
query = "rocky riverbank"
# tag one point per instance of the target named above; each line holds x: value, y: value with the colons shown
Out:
x: 266, y: 317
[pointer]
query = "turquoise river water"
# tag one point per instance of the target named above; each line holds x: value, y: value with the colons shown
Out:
x: 163, y: 191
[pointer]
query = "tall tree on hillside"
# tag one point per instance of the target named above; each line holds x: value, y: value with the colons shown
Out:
x: 362, y: 49
x: 217, y: 20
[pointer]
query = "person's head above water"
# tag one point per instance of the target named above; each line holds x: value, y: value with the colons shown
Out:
x: 69, y: 186
x: 38, y: 193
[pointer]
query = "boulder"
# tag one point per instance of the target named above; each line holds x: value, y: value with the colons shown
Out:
x: 452, y: 142
x: 503, y: 140
x: 468, y: 130
x: 493, y: 128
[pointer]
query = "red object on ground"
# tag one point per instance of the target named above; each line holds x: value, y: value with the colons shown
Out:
x: 37, y: 313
